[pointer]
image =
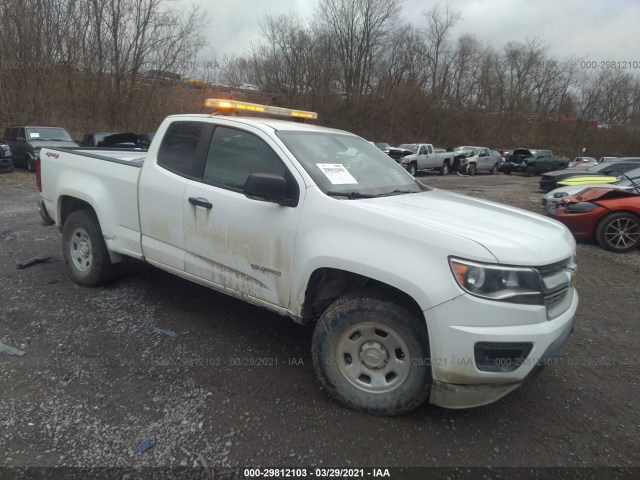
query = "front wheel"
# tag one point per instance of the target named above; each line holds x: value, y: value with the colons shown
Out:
x: 530, y: 171
x: 31, y: 164
x: 372, y: 354
x: 444, y: 170
x: 619, y: 232
x: 494, y: 169
x: 84, y: 250
x: 471, y: 169
x: 412, y: 169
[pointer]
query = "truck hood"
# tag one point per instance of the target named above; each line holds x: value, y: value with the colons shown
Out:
x: 513, y: 236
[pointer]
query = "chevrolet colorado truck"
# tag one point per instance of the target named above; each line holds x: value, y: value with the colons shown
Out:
x: 415, y: 293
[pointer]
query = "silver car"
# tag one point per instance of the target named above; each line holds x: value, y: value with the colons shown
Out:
x: 629, y: 181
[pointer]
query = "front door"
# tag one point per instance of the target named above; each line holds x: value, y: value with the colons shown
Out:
x: 240, y: 244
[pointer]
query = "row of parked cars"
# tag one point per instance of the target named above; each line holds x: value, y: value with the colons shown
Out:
x: 22, y: 143
x: 600, y: 202
x: 469, y: 160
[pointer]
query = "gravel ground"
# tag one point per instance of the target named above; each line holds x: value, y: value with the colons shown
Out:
x: 205, y: 376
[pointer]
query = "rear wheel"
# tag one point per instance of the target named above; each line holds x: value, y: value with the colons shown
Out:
x: 619, y: 232
x: 85, y: 251
x: 372, y: 354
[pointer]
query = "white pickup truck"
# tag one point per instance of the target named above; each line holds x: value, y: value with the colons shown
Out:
x: 415, y: 293
x: 426, y: 157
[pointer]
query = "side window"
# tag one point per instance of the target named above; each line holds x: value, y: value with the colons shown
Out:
x: 430, y: 149
x: 423, y: 150
x: 234, y: 155
x: 21, y: 133
x: 178, y: 149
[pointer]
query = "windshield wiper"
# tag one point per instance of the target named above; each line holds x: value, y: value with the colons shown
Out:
x: 395, y: 192
x: 351, y: 195
x: 56, y: 140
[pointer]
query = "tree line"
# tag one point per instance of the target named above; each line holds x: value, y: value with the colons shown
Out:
x: 357, y: 63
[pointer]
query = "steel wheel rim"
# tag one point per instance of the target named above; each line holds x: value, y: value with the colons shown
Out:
x: 80, y: 249
x: 622, y: 233
x: 373, y: 357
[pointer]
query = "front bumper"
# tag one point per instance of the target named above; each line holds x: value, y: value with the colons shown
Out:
x: 6, y: 165
x: 455, y: 327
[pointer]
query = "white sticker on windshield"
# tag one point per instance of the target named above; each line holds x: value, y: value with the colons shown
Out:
x: 34, y: 135
x: 336, y: 173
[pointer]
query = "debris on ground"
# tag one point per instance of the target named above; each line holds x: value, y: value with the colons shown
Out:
x: 205, y: 465
x: 166, y: 331
x: 33, y: 261
x: 10, y: 350
x: 146, y: 444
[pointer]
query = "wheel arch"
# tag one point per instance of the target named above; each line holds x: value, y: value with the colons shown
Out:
x: 325, y: 285
x: 608, y: 214
x: 68, y: 204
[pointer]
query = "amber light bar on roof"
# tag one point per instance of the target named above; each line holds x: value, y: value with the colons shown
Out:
x: 229, y: 105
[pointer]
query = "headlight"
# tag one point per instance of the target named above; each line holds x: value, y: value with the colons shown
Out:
x: 560, y: 194
x: 581, y: 207
x: 499, y: 283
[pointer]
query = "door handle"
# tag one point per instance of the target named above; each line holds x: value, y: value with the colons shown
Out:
x: 200, y: 202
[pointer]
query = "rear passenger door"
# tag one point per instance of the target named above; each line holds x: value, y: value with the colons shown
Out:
x: 231, y: 241
x: 161, y: 191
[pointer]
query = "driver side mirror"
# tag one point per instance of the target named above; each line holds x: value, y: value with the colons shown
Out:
x: 268, y: 187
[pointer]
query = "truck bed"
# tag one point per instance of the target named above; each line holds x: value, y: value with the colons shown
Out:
x: 112, y: 178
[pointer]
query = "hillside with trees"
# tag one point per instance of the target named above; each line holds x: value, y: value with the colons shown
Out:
x: 357, y: 64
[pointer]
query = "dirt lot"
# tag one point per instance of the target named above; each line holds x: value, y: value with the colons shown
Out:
x: 236, y: 383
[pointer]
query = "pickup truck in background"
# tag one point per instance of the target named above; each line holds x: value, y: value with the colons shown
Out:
x: 425, y: 157
x: 533, y: 162
x: 414, y: 293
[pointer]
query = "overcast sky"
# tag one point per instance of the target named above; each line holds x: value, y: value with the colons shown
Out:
x: 592, y: 29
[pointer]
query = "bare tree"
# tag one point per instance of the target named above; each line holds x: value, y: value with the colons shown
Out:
x: 359, y: 29
x: 439, y: 23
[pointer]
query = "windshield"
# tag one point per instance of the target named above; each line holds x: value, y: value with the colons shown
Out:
x: 471, y: 151
x: 600, y: 167
x: 348, y: 165
x: 48, y: 133
x: 409, y: 146
x: 630, y: 178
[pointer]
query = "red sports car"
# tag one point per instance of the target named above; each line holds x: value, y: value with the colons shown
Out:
x: 610, y: 216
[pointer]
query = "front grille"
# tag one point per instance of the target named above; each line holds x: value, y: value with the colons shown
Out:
x: 555, y: 299
x: 556, y: 280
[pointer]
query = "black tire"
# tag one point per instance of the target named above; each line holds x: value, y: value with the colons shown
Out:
x: 444, y: 170
x: 507, y: 171
x: 84, y: 250
x: 471, y: 169
x: 412, y: 169
x: 30, y: 164
x: 494, y: 169
x: 530, y: 171
x: 393, y: 348
x: 619, y: 232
